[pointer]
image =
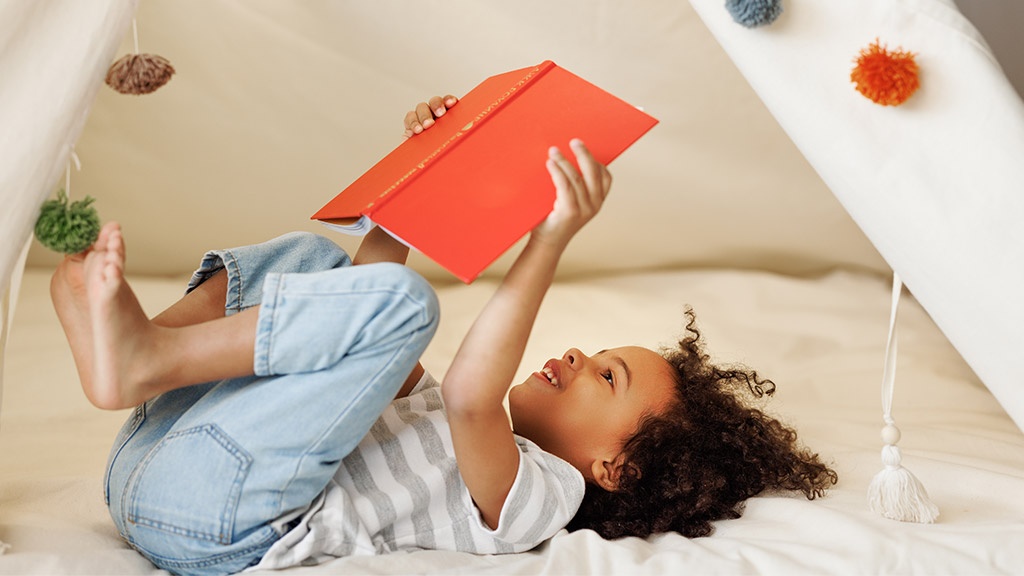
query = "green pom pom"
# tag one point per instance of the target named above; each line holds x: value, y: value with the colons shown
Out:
x: 68, y: 229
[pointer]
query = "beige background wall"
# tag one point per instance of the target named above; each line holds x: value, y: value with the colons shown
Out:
x: 276, y: 106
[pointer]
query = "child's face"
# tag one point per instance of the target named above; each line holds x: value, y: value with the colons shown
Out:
x: 581, y: 408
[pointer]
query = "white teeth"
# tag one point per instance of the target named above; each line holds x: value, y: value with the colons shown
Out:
x: 550, y: 375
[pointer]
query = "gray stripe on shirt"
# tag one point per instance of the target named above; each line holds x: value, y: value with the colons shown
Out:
x: 433, y: 448
x: 568, y: 477
x: 516, y: 507
x: 502, y: 547
x: 383, y: 507
x: 350, y: 526
x: 403, y: 473
x: 543, y: 520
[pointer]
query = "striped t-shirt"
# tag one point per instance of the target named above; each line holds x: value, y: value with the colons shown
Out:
x: 400, y: 489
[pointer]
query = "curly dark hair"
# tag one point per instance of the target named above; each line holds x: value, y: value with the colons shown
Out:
x: 701, y: 458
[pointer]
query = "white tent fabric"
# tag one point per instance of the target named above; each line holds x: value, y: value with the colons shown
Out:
x: 8, y: 300
x: 53, y: 57
x: 278, y: 104
x: 937, y: 184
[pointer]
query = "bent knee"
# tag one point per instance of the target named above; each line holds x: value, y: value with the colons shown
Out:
x: 306, y: 242
x: 414, y: 288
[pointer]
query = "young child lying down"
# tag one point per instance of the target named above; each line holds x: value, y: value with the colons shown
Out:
x: 282, y: 416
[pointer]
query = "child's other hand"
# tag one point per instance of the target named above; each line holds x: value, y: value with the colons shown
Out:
x: 578, y: 194
x: 423, y: 116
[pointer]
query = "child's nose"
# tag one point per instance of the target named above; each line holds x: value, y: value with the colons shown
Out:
x: 575, y: 357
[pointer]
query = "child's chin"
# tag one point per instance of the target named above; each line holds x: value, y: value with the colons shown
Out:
x: 519, y: 391
x: 514, y: 393
x: 518, y: 401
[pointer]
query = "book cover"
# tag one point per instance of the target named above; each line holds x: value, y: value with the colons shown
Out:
x: 472, y: 185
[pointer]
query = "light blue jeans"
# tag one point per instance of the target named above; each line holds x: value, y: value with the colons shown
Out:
x: 196, y: 475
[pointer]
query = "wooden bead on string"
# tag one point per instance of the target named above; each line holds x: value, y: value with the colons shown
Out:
x: 891, y: 435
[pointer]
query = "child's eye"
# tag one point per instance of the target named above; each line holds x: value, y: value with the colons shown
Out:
x: 608, y: 376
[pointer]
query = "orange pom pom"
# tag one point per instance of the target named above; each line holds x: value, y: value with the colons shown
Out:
x: 887, y: 78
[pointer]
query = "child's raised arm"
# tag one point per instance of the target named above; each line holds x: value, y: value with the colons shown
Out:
x: 482, y: 371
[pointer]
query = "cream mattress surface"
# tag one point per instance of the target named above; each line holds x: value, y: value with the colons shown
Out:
x: 820, y: 339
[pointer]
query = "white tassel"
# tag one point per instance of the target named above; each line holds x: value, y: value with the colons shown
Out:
x: 895, y: 492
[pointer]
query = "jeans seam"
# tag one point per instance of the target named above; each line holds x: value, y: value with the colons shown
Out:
x: 235, y: 270
x: 136, y: 423
x: 209, y: 561
x: 211, y: 263
x: 265, y: 337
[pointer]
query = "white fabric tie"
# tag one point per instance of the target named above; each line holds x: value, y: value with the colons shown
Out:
x: 895, y: 492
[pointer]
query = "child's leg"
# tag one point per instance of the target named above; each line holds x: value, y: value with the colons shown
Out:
x: 135, y: 364
x: 332, y: 349
x: 229, y: 281
x: 70, y: 300
x: 134, y: 359
x: 203, y: 304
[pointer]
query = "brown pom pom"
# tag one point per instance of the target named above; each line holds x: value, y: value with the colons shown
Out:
x: 886, y: 77
x: 139, y: 73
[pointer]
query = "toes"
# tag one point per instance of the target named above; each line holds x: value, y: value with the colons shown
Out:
x: 113, y: 263
x: 115, y: 244
x: 110, y: 272
x: 103, y: 239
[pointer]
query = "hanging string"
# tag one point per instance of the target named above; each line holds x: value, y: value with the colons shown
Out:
x: 891, y: 352
x: 135, y: 33
x: 895, y: 492
x: 67, y: 175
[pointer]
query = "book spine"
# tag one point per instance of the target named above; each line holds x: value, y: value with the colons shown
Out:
x: 531, y: 75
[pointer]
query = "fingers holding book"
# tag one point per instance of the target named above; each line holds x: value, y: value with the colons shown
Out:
x: 579, y: 194
x: 596, y: 177
x: 426, y: 113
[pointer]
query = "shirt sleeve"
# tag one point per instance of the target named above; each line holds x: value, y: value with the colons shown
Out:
x: 544, y: 497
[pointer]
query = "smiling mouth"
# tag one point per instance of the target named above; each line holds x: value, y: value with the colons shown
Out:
x: 549, y: 374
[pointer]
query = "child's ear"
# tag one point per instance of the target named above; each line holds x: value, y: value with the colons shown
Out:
x: 608, y: 472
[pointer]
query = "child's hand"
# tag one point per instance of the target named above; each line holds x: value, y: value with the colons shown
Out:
x: 423, y: 116
x: 578, y: 197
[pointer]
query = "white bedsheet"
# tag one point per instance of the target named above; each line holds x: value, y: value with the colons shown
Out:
x: 821, y: 339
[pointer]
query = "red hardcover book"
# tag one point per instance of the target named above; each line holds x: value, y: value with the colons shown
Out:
x: 468, y: 188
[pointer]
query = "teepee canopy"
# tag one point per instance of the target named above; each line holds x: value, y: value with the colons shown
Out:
x: 936, y: 184
x: 53, y: 56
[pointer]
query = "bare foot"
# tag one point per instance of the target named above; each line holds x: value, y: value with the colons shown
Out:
x: 121, y: 333
x: 67, y: 289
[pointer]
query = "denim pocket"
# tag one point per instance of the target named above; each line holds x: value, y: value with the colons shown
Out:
x: 130, y: 427
x: 190, y: 485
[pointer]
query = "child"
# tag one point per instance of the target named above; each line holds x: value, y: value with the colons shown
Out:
x: 282, y: 416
